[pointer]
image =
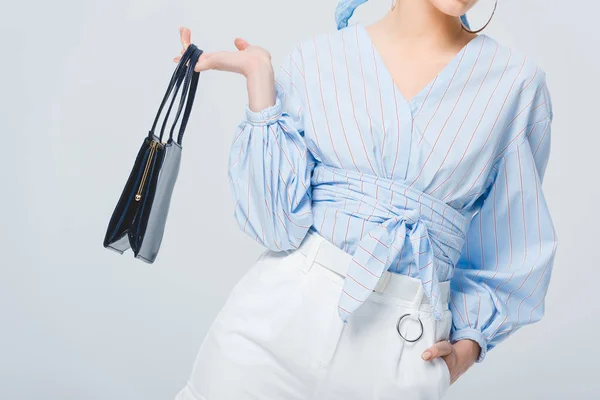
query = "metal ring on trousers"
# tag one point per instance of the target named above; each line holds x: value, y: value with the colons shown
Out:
x: 399, y: 333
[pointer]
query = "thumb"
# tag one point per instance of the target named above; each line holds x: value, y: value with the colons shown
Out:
x: 441, y: 348
x: 241, y: 44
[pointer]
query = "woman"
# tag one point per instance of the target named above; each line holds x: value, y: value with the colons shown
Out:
x: 384, y: 169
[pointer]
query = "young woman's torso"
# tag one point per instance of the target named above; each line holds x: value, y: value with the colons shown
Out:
x: 439, y: 135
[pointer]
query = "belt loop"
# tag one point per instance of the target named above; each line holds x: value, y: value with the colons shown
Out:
x: 418, y: 300
x: 445, y: 291
x: 382, y: 282
x: 313, y: 249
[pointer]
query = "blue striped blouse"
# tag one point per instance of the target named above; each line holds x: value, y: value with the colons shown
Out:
x: 342, y: 152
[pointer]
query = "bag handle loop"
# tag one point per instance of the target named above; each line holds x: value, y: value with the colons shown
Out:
x: 190, y: 102
x: 166, y: 117
x: 175, y: 82
x: 189, y: 90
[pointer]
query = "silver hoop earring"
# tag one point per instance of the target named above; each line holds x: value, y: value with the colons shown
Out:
x: 468, y: 29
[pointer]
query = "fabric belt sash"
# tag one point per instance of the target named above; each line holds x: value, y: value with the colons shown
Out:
x: 435, y: 230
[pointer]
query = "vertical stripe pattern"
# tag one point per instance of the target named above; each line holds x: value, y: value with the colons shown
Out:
x: 431, y: 187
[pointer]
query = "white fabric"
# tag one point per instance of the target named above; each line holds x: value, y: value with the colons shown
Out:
x: 279, y: 336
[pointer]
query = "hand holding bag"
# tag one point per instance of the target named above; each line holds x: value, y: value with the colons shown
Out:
x: 139, y: 218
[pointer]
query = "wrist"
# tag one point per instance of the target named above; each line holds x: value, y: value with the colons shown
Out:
x: 467, y: 350
x: 258, y: 68
x: 260, y: 83
x: 473, y: 334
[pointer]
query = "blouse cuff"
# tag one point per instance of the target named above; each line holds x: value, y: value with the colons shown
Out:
x: 265, y: 116
x: 472, y: 334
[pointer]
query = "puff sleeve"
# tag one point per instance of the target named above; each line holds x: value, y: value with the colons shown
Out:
x: 270, y: 165
x: 503, y: 274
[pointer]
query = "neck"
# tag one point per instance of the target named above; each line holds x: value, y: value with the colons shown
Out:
x: 418, y: 21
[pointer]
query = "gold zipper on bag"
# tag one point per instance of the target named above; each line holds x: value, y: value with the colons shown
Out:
x: 153, y: 146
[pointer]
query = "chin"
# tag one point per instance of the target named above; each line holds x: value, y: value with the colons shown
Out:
x: 455, y: 8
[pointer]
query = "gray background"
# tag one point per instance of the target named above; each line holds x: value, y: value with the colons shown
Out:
x: 80, y: 83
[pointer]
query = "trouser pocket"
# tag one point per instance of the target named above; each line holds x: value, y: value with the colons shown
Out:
x: 408, y: 376
x: 443, y: 327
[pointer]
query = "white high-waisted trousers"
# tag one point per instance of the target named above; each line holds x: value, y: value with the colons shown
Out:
x: 279, y: 335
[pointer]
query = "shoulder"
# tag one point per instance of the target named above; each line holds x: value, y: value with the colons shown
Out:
x: 521, y: 71
x: 520, y: 91
x: 311, y: 52
x: 325, y: 40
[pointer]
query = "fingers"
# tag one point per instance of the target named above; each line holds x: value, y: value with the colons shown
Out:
x: 185, y: 36
x: 439, y: 349
x: 178, y: 58
x: 204, y: 62
x: 220, y: 60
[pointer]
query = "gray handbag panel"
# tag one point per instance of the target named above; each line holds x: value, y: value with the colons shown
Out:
x: 120, y: 245
x: 162, y: 199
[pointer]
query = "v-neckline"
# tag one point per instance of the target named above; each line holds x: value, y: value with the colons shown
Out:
x: 441, y: 74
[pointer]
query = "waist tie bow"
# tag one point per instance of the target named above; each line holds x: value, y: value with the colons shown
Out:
x: 375, y: 252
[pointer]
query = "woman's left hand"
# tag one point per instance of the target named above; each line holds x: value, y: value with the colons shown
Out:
x: 459, y: 356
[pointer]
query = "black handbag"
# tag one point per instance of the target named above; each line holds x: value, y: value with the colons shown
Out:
x: 139, y: 218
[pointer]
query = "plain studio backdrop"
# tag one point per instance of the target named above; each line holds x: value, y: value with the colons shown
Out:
x: 80, y: 84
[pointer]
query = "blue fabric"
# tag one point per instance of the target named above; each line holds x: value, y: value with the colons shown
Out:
x: 345, y: 8
x: 465, y: 21
x: 431, y: 186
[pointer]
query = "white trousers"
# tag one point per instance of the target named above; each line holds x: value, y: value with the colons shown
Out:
x: 279, y: 335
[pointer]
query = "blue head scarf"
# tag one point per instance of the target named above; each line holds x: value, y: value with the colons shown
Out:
x: 345, y: 9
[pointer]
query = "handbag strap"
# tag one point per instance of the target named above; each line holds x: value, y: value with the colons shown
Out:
x: 180, y: 79
x: 174, y: 96
x: 189, y: 89
x: 189, y: 104
x: 175, y: 80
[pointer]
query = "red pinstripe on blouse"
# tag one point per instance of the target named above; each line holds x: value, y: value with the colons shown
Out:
x: 462, y: 183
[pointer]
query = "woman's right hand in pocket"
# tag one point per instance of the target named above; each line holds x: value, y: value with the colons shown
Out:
x: 247, y: 60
